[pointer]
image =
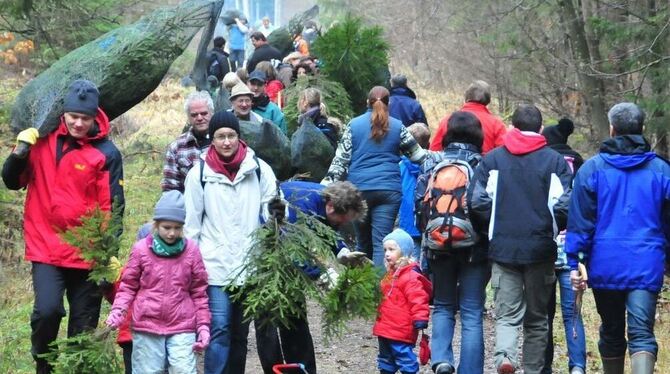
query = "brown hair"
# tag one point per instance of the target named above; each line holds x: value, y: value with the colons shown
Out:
x: 267, y: 68
x: 378, y: 100
x: 345, y: 198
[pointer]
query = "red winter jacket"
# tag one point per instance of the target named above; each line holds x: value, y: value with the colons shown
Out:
x: 168, y: 294
x: 492, y: 126
x: 125, y: 335
x: 66, y: 178
x: 405, y: 295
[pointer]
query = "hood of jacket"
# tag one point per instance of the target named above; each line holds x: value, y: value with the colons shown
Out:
x: 402, y: 91
x: 522, y: 142
x: 626, y: 151
x: 101, y: 121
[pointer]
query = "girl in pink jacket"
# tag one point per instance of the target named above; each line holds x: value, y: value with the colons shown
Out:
x: 165, y: 284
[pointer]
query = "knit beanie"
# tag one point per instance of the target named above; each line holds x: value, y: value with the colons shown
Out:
x: 82, y: 97
x: 223, y: 119
x: 559, y: 133
x: 170, y: 207
x: 405, y: 242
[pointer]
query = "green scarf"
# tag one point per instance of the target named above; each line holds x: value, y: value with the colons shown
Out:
x: 162, y: 249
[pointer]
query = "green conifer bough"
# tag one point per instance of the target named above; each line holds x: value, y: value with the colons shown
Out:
x: 277, y: 285
x: 355, y: 56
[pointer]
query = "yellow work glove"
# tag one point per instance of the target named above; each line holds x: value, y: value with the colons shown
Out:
x: 115, y: 267
x: 28, y: 136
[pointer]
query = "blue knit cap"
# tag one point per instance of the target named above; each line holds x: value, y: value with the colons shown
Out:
x: 170, y: 207
x: 405, y: 242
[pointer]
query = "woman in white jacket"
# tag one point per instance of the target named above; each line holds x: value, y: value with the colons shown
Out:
x: 226, y: 199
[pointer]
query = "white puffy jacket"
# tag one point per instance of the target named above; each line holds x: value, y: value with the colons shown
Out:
x: 232, y: 211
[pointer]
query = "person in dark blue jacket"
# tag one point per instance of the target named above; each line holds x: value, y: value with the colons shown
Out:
x: 335, y: 205
x: 520, y: 194
x: 618, y: 226
x: 403, y: 104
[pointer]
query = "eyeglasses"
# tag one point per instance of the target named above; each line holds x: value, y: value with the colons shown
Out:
x: 224, y: 137
x: 195, y: 115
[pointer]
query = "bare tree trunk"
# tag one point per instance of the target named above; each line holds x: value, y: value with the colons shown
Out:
x: 593, y: 87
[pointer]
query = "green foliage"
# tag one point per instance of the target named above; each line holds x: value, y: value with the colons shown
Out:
x: 355, y: 56
x: 57, y: 26
x: 356, y: 295
x: 333, y: 94
x: 275, y: 288
x: 98, y: 239
x: 91, y: 352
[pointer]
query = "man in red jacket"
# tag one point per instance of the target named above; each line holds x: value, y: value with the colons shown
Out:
x: 68, y: 173
x: 477, y: 97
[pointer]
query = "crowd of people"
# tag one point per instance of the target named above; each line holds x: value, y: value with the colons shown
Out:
x: 513, y: 206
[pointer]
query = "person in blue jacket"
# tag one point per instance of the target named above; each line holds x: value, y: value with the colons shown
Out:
x: 403, y: 104
x: 618, y: 226
x: 409, y: 172
x: 367, y: 156
x: 335, y: 206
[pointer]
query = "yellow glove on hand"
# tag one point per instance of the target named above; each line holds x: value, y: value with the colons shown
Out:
x: 28, y: 136
x: 115, y: 267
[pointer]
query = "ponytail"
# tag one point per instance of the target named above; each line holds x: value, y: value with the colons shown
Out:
x: 378, y: 100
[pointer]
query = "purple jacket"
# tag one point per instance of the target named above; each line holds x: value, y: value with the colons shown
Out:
x: 168, y: 294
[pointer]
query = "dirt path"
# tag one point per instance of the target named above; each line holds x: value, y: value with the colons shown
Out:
x: 356, y: 351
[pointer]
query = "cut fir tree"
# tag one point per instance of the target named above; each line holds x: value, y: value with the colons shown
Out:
x: 283, y: 269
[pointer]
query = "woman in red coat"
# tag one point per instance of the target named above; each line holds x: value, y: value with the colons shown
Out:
x: 404, y: 308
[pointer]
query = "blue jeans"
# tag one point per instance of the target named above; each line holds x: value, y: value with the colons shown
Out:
x: 395, y: 355
x: 576, y: 343
x: 151, y: 352
x: 458, y: 286
x: 216, y: 355
x: 383, y: 208
x: 237, y: 57
x: 636, y: 308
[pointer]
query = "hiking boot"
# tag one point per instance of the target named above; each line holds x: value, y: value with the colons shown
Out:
x: 642, y: 362
x: 506, y: 366
x: 443, y: 368
x: 577, y: 370
x: 613, y: 365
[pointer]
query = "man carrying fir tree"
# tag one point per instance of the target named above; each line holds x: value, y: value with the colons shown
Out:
x: 335, y: 205
x: 68, y: 173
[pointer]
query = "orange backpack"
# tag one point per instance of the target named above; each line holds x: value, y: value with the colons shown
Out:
x: 444, y: 205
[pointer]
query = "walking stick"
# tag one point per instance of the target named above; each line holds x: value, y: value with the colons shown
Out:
x: 577, y: 315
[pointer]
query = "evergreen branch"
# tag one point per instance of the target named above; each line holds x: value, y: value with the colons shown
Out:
x: 97, y: 237
x: 91, y: 352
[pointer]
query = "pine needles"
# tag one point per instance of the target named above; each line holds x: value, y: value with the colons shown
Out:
x: 91, y: 352
x: 277, y: 283
x: 98, y: 238
x: 276, y: 286
x: 356, y: 295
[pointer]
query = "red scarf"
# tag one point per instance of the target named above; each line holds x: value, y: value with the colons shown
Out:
x: 228, y: 168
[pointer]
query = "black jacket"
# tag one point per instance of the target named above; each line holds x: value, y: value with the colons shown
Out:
x: 219, y: 64
x: 520, y: 194
x: 265, y: 52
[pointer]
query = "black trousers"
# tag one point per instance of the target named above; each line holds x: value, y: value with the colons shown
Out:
x: 50, y: 284
x: 295, y: 343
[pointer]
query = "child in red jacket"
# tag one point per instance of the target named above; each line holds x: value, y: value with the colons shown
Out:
x: 404, y: 308
x: 165, y: 281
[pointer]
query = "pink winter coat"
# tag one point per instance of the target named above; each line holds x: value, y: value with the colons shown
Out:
x: 169, y: 293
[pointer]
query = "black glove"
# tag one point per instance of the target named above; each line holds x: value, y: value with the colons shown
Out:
x: 277, y: 208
